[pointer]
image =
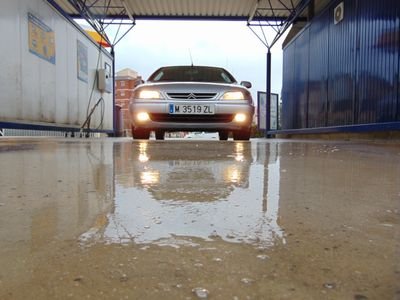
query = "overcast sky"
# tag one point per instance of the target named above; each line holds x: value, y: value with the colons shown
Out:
x: 232, y: 45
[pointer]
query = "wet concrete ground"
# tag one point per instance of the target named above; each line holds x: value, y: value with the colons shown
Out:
x: 179, y: 219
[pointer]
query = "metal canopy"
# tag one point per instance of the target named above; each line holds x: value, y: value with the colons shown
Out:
x: 101, y: 14
x: 176, y: 9
x: 276, y: 14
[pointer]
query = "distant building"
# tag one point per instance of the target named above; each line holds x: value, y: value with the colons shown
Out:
x: 125, y: 81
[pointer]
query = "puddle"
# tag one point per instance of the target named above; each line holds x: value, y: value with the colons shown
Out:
x: 166, y: 193
x: 192, y: 219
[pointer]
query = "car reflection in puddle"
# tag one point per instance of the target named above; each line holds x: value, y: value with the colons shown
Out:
x: 168, y: 193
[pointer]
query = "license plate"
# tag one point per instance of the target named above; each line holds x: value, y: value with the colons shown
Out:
x: 191, y: 109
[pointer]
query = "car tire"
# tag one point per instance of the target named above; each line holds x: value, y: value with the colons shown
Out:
x: 223, y: 135
x: 242, y: 135
x: 140, y: 134
x: 160, y: 135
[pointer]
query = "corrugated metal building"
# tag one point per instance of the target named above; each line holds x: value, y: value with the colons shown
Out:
x: 341, y: 71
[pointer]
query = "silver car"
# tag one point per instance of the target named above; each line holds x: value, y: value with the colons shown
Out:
x: 192, y: 98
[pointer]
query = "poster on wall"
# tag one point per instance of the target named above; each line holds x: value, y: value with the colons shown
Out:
x: 41, y: 39
x: 82, y: 61
x: 273, y: 125
x: 262, y: 111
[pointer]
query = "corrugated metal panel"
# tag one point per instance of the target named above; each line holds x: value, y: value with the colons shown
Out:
x: 398, y: 69
x: 288, y: 88
x: 66, y: 6
x: 341, y: 66
x: 378, y: 61
x: 320, y: 5
x: 186, y: 8
x: 354, y: 68
x: 318, y: 78
x: 301, y: 79
x: 27, y: 132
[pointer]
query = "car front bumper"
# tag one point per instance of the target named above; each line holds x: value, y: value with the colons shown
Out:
x: 161, y: 119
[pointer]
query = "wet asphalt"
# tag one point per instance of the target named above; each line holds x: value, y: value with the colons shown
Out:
x: 199, y: 219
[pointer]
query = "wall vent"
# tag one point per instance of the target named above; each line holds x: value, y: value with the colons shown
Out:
x: 338, y: 13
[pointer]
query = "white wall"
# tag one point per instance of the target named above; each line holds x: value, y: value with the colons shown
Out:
x: 35, y: 91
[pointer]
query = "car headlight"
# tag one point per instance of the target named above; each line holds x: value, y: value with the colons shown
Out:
x: 233, y: 96
x: 240, y: 118
x: 143, y: 116
x: 148, y: 94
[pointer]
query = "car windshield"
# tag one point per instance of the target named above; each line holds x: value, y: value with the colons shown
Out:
x: 192, y: 73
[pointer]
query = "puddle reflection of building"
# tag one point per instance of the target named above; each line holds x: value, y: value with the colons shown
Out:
x: 265, y: 184
x: 56, y: 191
x: 271, y: 193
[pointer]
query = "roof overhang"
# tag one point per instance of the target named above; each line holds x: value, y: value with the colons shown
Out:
x: 102, y: 13
x: 180, y: 9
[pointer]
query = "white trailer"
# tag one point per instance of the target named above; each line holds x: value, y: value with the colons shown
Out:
x: 48, y: 71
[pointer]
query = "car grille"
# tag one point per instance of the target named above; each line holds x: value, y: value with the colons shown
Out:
x: 220, y: 118
x: 185, y: 96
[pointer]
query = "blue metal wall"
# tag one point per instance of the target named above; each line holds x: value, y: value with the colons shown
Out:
x: 344, y: 74
x: 378, y: 61
x: 318, y: 75
x: 289, y: 91
x: 341, y: 66
x: 301, y: 79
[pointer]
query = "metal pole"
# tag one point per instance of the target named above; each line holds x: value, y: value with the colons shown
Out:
x: 113, y: 90
x: 268, y: 94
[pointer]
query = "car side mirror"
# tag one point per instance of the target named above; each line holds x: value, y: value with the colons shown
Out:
x: 246, y: 84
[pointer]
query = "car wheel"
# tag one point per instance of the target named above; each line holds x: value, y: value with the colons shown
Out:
x: 159, y: 135
x: 223, y: 135
x: 242, y: 135
x: 140, y: 134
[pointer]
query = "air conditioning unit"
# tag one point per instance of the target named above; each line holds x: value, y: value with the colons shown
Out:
x: 338, y: 13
